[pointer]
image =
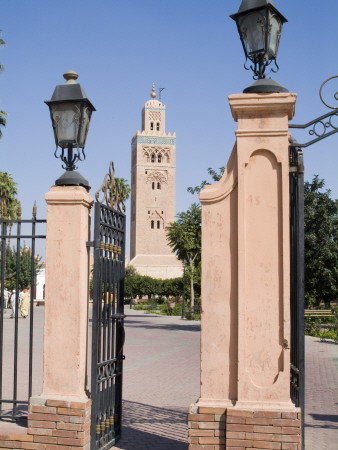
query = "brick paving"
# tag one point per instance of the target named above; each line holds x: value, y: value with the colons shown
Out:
x: 161, y: 379
x: 321, y: 394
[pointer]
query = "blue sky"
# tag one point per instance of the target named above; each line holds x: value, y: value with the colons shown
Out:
x: 119, y: 48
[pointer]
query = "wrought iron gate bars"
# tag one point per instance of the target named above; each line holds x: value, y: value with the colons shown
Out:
x: 297, y: 243
x: 5, y: 223
x: 297, y: 356
x: 107, y: 326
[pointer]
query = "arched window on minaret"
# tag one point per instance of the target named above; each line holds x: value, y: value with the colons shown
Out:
x: 158, y: 224
x: 152, y: 157
x: 158, y: 185
x: 151, y: 126
x: 153, y: 185
x: 158, y: 126
x: 152, y: 224
x: 159, y: 158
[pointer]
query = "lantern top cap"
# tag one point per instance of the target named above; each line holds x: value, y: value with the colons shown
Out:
x: 251, y: 5
x: 70, y: 91
x: 70, y: 76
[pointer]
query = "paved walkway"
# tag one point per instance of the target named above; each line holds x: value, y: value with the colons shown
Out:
x: 161, y: 379
x: 321, y: 394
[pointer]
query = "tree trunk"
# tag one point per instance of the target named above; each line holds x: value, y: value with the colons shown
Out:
x: 192, y: 293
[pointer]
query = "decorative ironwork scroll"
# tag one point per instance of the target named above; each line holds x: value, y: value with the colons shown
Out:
x: 111, y: 191
x: 335, y: 95
x: 322, y: 126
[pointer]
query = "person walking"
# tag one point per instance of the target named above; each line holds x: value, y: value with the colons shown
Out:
x: 6, y: 298
x: 20, y: 298
x: 13, y: 304
x: 9, y: 299
x: 25, y: 303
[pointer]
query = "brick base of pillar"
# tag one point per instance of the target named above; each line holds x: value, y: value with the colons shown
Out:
x: 52, y: 425
x: 59, y: 423
x: 215, y: 428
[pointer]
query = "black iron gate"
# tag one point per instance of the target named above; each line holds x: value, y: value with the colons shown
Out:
x: 20, y: 266
x: 107, y: 324
x: 319, y: 129
x: 297, y: 277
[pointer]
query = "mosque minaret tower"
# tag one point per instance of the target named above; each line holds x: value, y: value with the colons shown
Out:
x: 153, y: 166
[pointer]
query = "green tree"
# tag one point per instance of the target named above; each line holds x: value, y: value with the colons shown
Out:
x: 321, y: 244
x: 184, y: 237
x: 128, y: 282
x: 146, y: 286
x: 170, y: 287
x: 215, y: 175
x: 25, y: 262
x: 9, y: 192
x: 2, y: 113
x: 2, y: 121
x: 124, y: 189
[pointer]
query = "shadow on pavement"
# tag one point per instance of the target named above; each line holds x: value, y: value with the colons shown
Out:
x: 326, y: 341
x: 151, y: 427
x: 165, y: 326
x: 323, y: 421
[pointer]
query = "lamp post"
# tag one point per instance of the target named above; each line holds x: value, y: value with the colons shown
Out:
x: 131, y: 290
x: 70, y: 112
x: 183, y: 302
x: 259, y: 25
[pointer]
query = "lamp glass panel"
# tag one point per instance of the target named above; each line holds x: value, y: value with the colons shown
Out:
x: 66, y: 123
x: 252, y: 27
x: 275, y: 29
x: 86, y: 115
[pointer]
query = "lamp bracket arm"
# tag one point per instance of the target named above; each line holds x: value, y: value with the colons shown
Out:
x: 321, y: 127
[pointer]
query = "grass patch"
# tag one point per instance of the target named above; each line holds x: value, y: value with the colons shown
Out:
x: 323, y: 327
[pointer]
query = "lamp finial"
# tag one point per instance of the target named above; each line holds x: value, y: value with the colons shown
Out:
x: 70, y: 77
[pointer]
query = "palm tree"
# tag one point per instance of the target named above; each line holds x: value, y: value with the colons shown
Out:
x: 2, y: 113
x: 2, y: 42
x: 124, y: 188
x: 2, y: 121
x: 8, y: 193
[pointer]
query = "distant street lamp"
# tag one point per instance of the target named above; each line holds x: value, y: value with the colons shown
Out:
x: 259, y: 25
x: 70, y: 111
x: 131, y: 290
x: 184, y: 282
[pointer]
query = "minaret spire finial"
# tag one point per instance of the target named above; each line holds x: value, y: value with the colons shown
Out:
x: 153, y: 93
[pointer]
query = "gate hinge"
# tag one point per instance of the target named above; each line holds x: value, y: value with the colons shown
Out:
x: 95, y: 244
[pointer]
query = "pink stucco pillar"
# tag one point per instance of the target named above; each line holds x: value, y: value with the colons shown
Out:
x: 245, y: 323
x: 66, y: 303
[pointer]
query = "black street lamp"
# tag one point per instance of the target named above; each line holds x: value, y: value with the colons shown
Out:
x: 259, y: 25
x: 70, y: 111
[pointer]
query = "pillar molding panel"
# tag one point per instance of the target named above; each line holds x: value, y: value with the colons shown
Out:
x: 263, y: 249
x: 66, y: 303
x: 245, y: 339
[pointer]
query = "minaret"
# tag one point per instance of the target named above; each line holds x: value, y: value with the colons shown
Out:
x: 153, y: 194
